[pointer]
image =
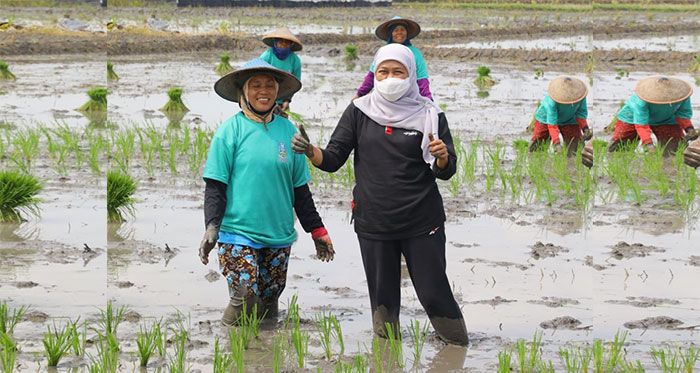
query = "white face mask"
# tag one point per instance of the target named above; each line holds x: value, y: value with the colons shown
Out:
x: 392, y: 89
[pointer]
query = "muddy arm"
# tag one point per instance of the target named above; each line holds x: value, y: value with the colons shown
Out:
x: 306, y: 209
x: 214, y: 202
x: 446, y: 137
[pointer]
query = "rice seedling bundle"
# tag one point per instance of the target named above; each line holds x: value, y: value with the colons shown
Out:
x: 120, y: 189
x: 17, y: 198
x: 351, y: 52
x: 484, y: 79
x: 224, y: 67
x: 111, y: 75
x: 97, y: 102
x: 5, y: 73
x: 174, y: 103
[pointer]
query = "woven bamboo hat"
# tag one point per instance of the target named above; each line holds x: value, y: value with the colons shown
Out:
x: 412, y: 28
x: 663, y: 89
x: 230, y: 86
x: 282, y: 33
x: 566, y: 89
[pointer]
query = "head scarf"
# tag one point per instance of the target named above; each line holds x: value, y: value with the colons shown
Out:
x: 249, y: 111
x: 390, y: 31
x: 412, y: 111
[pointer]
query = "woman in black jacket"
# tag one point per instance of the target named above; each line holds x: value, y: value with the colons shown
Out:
x: 402, y: 143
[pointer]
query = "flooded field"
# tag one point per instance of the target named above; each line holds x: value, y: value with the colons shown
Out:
x: 625, y: 259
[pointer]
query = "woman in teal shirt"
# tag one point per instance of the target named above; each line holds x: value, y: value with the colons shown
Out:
x: 281, y: 55
x: 563, y: 110
x: 401, y: 31
x: 660, y: 105
x: 254, y: 185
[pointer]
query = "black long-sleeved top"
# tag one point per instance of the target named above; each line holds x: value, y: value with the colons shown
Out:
x: 215, y: 205
x: 395, y: 195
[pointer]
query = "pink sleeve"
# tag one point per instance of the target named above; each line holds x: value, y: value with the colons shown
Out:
x: 366, y: 85
x: 424, y: 88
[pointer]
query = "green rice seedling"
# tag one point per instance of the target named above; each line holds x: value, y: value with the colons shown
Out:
x: 111, y: 75
x: 378, y: 354
x: 293, y: 318
x: 607, y: 360
x: 8, y: 353
x: 418, y: 335
x: 689, y: 358
x: 483, y: 79
x: 300, y: 341
x: 694, y: 66
x: 198, y: 155
x: 97, y: 102
x: 443, y: 106
x: 666, y: 359
x: 26, y: 147
x: 8, y: 321
x: 351, y: 52
x: 174, y: 145
x: 120, y: 200
x: 504, y: 358
x: 590, y: 64
x: 529, y: 356
x: 539, y: 73
x: 56, y: 344
x: 224, y: 66
x: 278, y: 352
x: 250, y: 322
x: 655, y: 169
x: 393, y: 334
x: 5, y: 73
x: 613, y: 121
x: 146, y: 340
x: 342, y: 367
x: 337, y: 333
x: 78, y: 338
x: 238, y: 347
x: 107, y: 359
x: 360, y: 363
x: 17, y: 199
x: 325, y: 329
x: 469, y: 163
x: 632, y: 367
x: 125, y: 142
x: 96, y: 144
x: 178, y: 362
x: 531, y: 125
x: 222, y: 361
x: 621, y: 73
x: 175, y: 103
x: 110, y: 318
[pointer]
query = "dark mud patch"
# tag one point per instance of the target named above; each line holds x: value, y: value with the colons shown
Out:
x: 623, y: 250
x: 212, y: 276
x: 132, y: 316
x: 460, y: 245
x: 519, y: 266
x: 124, y: 284
x: 655, y: 221
x: 341, y: 292
x: 658, y: 323
x: 36, y: 317
x: 495, y: 301
x: 644, y: 302
x: 25, y: 284
x: 588, y: 260
x: 128, y: 251
x: 564, y: 323
x: 554, y: 302
x: 694, y: 261
x: 540, y: 250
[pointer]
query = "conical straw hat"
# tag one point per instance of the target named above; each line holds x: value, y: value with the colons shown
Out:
x: 567, y: 89
x: 663, y: 89
x: 230, y: 86
x: 412, y: 28
x: 282, y: 33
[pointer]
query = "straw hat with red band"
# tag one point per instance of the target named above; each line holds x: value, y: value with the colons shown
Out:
x: 282, y: 33
x: 566, y: 89
x: 663, y: 89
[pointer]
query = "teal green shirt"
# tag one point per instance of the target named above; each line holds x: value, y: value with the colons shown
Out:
x: 638, y: 111
x: 421, y: 68
x: 260, y: 171
x: 291, y: 64
x: 551, y: 112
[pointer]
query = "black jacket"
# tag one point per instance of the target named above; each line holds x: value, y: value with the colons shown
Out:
x: 395, y: 195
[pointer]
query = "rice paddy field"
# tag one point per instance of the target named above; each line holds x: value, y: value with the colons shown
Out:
x: 104, y: 132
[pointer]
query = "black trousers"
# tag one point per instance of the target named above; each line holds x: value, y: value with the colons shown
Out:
x: 425, y: 259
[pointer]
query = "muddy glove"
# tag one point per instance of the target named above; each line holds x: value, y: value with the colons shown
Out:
x: 323, y: 243
x: 587, y: 156
x: 691, y: 134
x: 301, y: 143
x: 691, y: 155
x: 587, y: 134
x: 651, y: 148
x: 211, y: 236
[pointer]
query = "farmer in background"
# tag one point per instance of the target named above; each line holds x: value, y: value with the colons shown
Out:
x: 281, y: 55
x: 401, y: 144
x: 400, y: 31
x: 562, y: 110
x: 254, y: 184
x: 660, y: 105
x: 691, y: 156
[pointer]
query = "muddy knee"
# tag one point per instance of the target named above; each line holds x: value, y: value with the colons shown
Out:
x: 452, y: 331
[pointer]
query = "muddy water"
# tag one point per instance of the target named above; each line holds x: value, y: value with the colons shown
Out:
x: 584, y: 43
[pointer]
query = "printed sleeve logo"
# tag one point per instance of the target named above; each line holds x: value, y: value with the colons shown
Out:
x: 411, y: 133
x: 282, y: 152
